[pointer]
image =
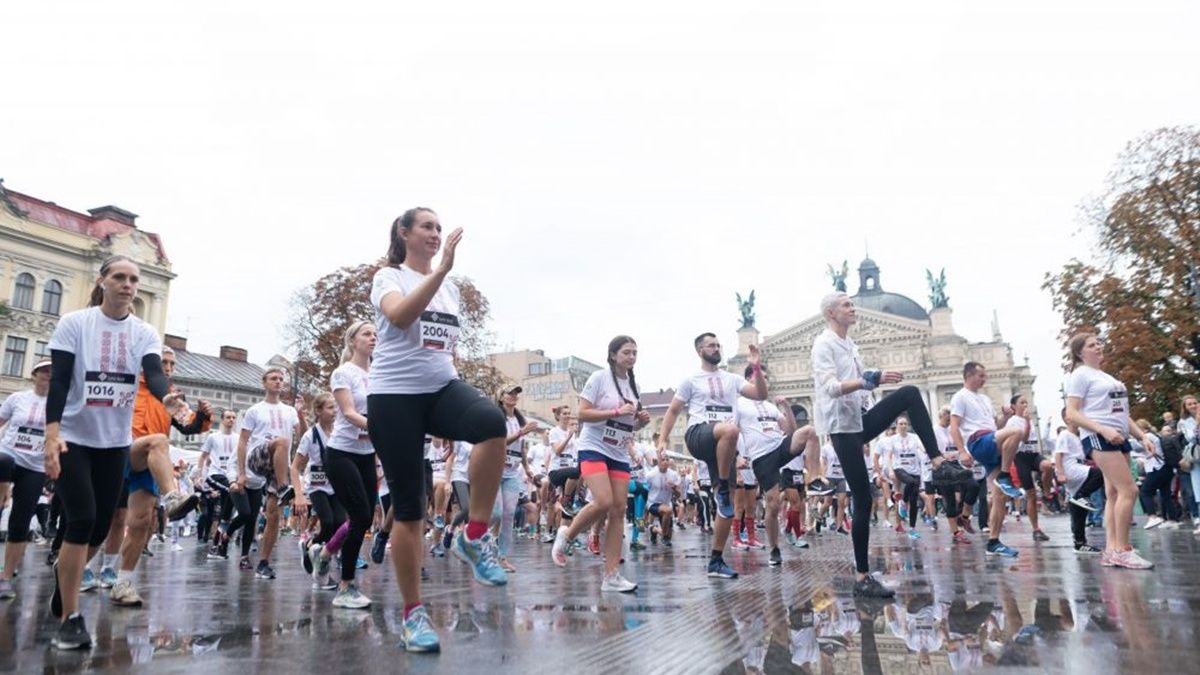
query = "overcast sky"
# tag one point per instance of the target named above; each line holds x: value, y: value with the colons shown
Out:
x: 620, y: 168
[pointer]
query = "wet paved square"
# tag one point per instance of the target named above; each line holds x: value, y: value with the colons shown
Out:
x: 955, y: 610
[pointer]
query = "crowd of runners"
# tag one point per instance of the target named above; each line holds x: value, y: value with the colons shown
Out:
x: 401, y: 452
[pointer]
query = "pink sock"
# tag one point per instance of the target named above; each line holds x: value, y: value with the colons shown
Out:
x: 475, y: 530
x: 335, y: 542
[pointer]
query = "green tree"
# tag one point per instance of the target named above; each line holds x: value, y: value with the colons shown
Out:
x: 1138, y: 292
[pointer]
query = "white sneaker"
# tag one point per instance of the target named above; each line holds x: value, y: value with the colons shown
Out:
x: 618, y: 583
x: 1152, y: 522
x: 176, y: 547
x: 558, y: 552
x: 801, y: 542
x: 124, y: 594
x: 1130, y: 559
x: 1171, y: 525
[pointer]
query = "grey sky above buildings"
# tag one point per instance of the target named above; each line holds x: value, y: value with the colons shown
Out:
x: 619, y: 168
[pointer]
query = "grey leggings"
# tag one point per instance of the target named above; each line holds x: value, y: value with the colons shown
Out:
x: 462, y: 494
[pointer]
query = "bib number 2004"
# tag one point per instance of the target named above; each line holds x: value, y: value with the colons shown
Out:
x: 439, y: 331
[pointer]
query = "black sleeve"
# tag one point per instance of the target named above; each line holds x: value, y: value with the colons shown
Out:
x: 192, y: 428
x: 156, y: 379
x: 62, y: 366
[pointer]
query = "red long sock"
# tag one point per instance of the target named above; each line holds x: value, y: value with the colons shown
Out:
x: 475, y: 530
x: 793, y: 521
x: 750, y: 533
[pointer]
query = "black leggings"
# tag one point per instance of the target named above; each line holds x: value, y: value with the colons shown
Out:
x: 1160, y: 482
x: 247, y: 503
x: 352, y: 477
x: 462, y: 494
x: 90, y: 485
x: 849, y: 449
x: 398, y: 423
x: 705, y: 508
x: 1093, y: 482
x: 329, y: 511
x: 911, y: 493
x: 26, y: 489
x: 949, y: 493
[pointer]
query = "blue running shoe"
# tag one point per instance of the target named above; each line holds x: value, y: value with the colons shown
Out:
x: 88, y: 582
x: 1001, y: 550
x: 108, y: 577
x: 914, y: 535
x: 418, y: 634
x: 717, y: 569
x: 724, y: 504
x: 480, y: 555
x: 1005, y: 484
x: 439, y: 522
x: 360, y: 564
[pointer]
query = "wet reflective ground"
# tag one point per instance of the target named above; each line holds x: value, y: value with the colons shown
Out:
x: 1048, y: 611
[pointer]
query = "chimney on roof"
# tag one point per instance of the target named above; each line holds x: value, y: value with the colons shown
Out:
x: 233, y: 353
x: 175, y: 342
x: 116, y: 213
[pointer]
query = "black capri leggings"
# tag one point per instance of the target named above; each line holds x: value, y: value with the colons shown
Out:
x: 462, y: 494
x: 90, y: 485
x: 329, y: 512
x: 26, y: 489
x: 398, y: 423
x: 352, y: 477
x: 912, y: 493
x: 949, y: 493
x: 247, y: 503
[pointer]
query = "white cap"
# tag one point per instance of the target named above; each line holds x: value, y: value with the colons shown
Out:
x: 44, y: 363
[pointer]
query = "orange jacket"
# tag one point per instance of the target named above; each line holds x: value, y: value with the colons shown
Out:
x: 151, y: 417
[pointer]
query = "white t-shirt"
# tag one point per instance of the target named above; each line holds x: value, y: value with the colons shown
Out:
x: 462, y: 460
x: 1030, y: 443
x: 221, y: 449
x: 612, y: 438
x: 1074, y: 462
x: 702, y: 475
x: 265, y: 422
x: 570, y: 454
x: 418, y: 359
x: 835, y: 360
x: 661, y: 485
x: 905, y: 452
x: 347, y: 437
x: 1105, y: 399
x: 438, y: 455
x: 758, y: 422
x: 974, y: 412
x: 833, y: 465
x: 24, y: 418
x: 710, y: 396
x: 381, y: 480
x: 513, y: 452
x: 108, y: 358
x: 538, y: 454
x: 314, y: 472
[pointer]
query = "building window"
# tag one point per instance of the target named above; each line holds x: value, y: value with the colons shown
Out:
x: 41, y: 350
x: 14, y: 356
x: 23, y: 291
x: 52, y: 298
x: 538, y: 369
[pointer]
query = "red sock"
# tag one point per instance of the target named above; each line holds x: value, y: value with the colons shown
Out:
x: 475, y: 530
x: 409, y: 608
x: 793, y: 521
x: 750, y: 529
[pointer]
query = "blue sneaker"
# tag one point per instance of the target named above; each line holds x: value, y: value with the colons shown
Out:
x: 418, y: 634
x: 717, y: 569
x: 439, y: 522
x: 108, y: 577
x: 1001, y: 550
x: 481, y: 556
x: 724, y: 504
x: 1005, y: 484
x: 88, y: 582
x: 914, y: 535
x: 360, y: 564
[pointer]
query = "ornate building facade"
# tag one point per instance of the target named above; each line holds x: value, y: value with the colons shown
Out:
x: 50, y: 257
x: 893, y: 332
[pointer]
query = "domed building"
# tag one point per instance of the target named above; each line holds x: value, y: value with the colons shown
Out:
x: 894, y: 332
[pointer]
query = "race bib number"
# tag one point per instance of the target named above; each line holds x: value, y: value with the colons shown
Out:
x: 439, y: 331
x: 770, y: 425
x: 718, y: 414
x: 617, y: 434
x: 30, y: 439
x: 1120, y: 401
x: 316, y: 478
x: 108, y: 390
x: 512, y: 459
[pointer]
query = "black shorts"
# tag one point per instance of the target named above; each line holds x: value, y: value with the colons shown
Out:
x: 792, y: 480
x: 702, y: 444
x: 659, y: 509
x: 1029, y: 469
x: 766, y: 468
x: 559, y: 477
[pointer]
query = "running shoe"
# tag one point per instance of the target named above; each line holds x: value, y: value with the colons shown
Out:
x: 176, y: 547
x: 842, y: 530
x: 594, y: 544
x: 379, y: 547
x: 306, y: 558
x: 1152, y: 522
x: 350, y: 598
x: 637, y: 546
x: 667, y: 543
x: 801, y: 542
x: 965, y: 523
x: 480, y: 555
x: 108, y: 577
x: 870, y: 587
x: 1005, y: 484
x: 286, y: 494
x: 244, y: 564
x: 7, y: 592
x: 819, y: 488
x: 740, y: 545
x: 755, y: 544
x: 961, y: 537
x: 653, y: 537
x: 914, y: 535
x: 360, y: 564
x: 617, y: 583
x: 567, y: 511
x: 88, y: 582
x: 1106, y: 558
x: 437, y: 551
x: 418, y: 634
x: 1086, y: 549
x: 557, y: 553
x: 789, y: 538
x: 724, y: 504
x: 178, y: 505
x: 324, y: 584
x: 439, y: 523
x: 264, y: 571
x: 717, y: 569
x: 1038, y: 535
x: 1171, y: 525
x: 776, y: 558
x: 547, y: 538
x: 72, y: 634
x: 318, y: 564
x: 950, y: 473
x: 1130, y: 560
x: 1001, y: 550
x: 125, y: 595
